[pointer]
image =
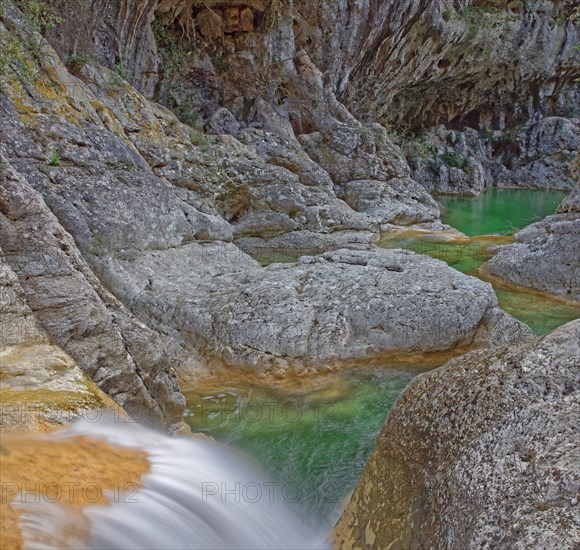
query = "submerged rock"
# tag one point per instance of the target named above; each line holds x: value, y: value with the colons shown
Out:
x: 481, y: 452
x: 545, y: 255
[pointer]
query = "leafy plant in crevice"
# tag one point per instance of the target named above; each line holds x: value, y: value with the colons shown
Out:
x: 416, y: 146
x: 486, y: 133
x: 99, y: 246
x: 454, y: 160
x: 39, y: 15
x: 186, y: 109
x: 77, y: 61
x: 54, y: 158
x: 175, y: 52
x: 219, y: 61
x: 121, y: 70
x: 421, y: 148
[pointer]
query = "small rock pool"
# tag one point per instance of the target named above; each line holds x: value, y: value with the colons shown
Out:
x: 316, y: 439
x: 490, y: 219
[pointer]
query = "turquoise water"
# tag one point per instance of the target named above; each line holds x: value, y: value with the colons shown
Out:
x: 486, y: 218
x: 313, y: 441
x: 499, y: 211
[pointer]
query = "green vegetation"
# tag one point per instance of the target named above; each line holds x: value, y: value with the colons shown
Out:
x: 219, y: 61
x: 175, y: 89
x: 198, y: 138
x: 416, y: 147
x: 420, y: 148
x: 476, y: 16
x: 99, y: 246
x: 186, y: 111
x: 38, y: 14
x: 121, y: 70
x: 54, y: 159
x: 19, y: 56
x: 572, y: 60
x: 486, y: 133
x: 455, y: 160
x: 175, y: 51
x: 77, y: 61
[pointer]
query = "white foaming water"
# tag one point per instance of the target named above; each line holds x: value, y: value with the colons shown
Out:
x: 197, y: 494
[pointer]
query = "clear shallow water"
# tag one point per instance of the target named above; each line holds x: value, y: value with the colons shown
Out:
x: 540, y: 312
x: 315, y: 441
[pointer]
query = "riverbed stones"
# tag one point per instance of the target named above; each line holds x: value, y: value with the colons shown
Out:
x: 482, y: 452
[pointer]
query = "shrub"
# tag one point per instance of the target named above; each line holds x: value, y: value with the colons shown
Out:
x: 186, y: 111
x: 77, y: 60
x: 455, y: 160
x: 198, y: 139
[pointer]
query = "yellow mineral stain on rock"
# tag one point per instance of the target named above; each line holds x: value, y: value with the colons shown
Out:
x: 74, y: 473
x: 41, y: 387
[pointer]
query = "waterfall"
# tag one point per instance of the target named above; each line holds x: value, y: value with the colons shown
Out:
x: 197, y: 494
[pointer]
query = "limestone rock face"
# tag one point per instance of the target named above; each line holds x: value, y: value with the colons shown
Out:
x: 507, y: 68
x: 481, y: 452
x: 545, y: 254
x: 537, y: 155
x: 424, y: 63
x: 40, y: 385
x: 124, y: 358
x: 117, y: 34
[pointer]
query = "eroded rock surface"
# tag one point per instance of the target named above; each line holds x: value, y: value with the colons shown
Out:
x: 125, y: 358
x: 481, y: 452
x: 40, y: 385
x: 340, y: 305
x: 535, y: 155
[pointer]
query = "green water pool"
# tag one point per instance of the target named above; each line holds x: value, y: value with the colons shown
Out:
x: 499, y: 211
x: 540, y: 312
x: 486, y: 218
x: 316, y: 441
